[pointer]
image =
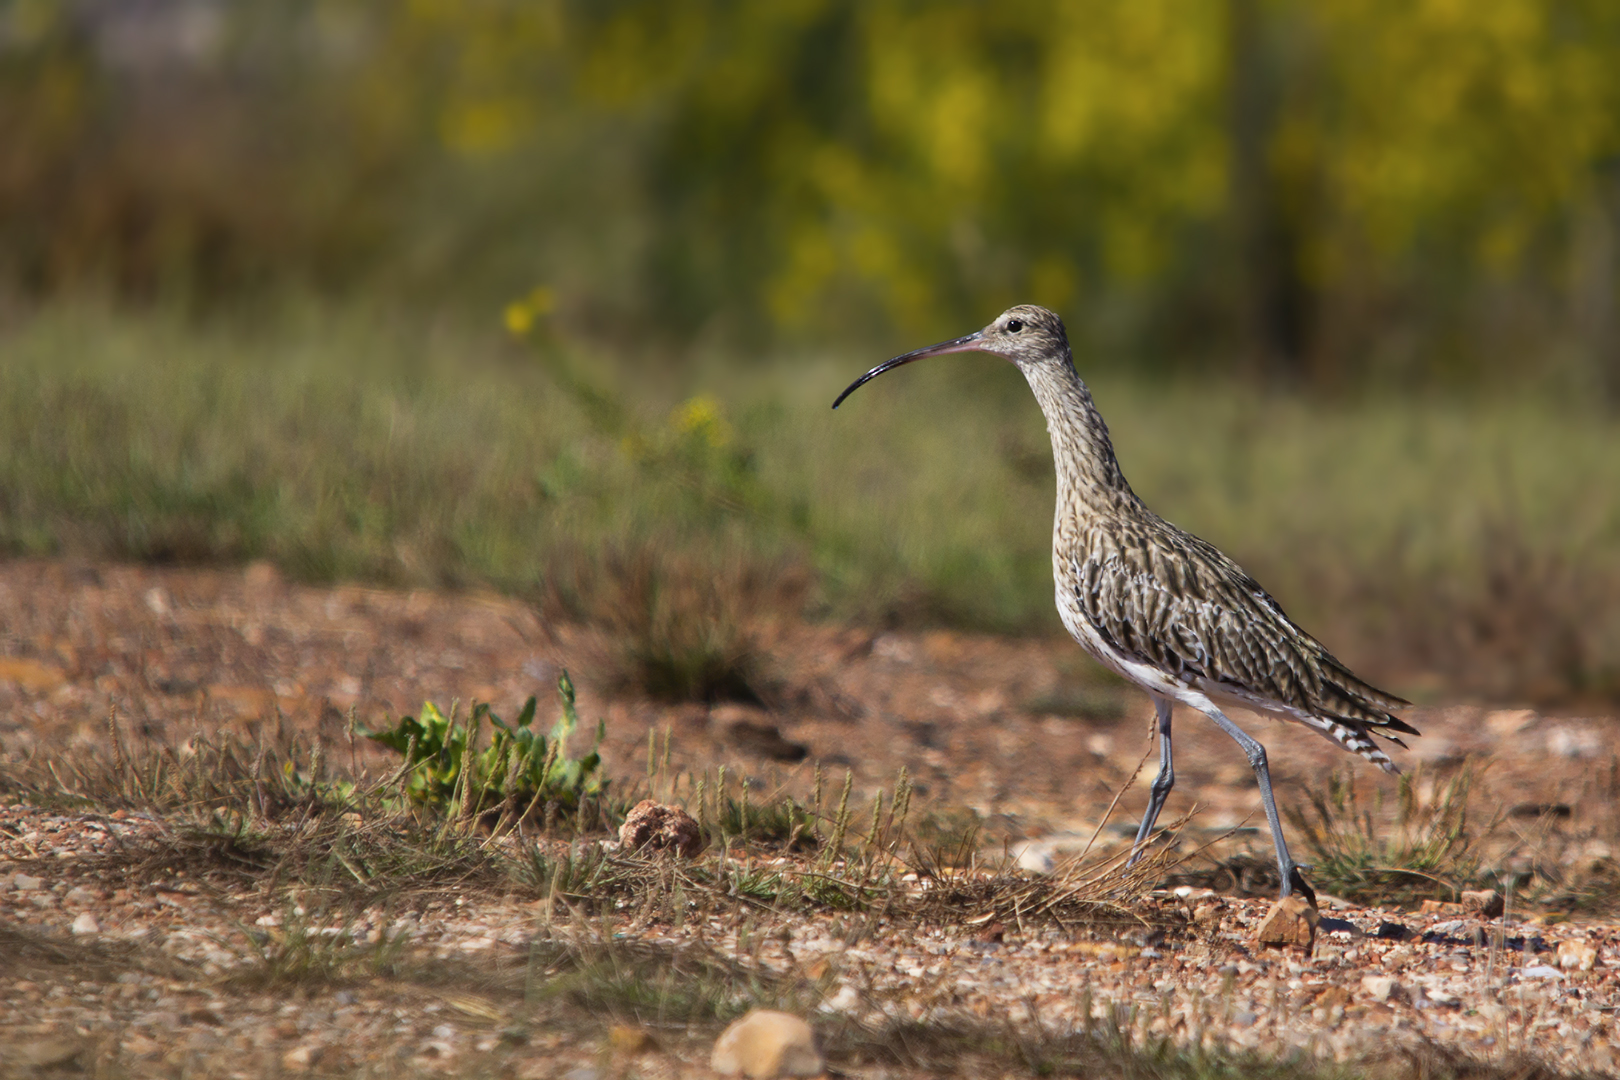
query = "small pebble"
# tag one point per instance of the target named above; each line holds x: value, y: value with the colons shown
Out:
x: 766, y: 1044
x: 299, y: 1058
x: 1576, y: 955
x: 1379, y: 987
x: 86, y: 924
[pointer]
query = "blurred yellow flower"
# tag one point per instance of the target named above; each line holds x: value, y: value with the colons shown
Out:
x: 519, y: 318
x: 521, y: 314
x: 701, y: 416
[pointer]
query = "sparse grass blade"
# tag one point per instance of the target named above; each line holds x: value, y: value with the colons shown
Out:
x: 1425, y: 848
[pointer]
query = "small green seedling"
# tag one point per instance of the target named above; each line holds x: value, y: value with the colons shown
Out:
x: 520, y: 766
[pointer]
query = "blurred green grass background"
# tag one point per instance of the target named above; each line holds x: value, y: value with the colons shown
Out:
x: 1345, y: 276
x: 1464, y: 544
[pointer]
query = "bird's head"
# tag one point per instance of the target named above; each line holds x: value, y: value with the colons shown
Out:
x: 1025, y: 334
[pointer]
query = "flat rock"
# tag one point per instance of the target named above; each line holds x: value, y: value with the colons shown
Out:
x: 765, y: 1044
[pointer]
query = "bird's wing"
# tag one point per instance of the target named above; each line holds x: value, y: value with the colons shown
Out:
x: 1181, y: 606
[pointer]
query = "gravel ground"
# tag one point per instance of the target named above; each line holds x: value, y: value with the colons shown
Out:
x: 136, y: 973
x: 152, y: 980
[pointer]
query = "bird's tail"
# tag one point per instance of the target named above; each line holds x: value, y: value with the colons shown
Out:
x: 1355, y: 737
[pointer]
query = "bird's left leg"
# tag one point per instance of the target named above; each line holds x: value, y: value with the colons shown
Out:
x: 1160, y: 791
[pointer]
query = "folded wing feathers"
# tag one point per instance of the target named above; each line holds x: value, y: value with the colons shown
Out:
x: 1185, y: 608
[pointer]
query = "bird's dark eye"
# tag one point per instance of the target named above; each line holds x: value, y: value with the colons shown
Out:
x: 1014, y: 325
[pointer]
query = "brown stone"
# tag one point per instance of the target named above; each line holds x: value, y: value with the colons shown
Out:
x: 1443, y: 907
x: 1576, y: 955
x: 1333, y: 995
x: 1474, y: 903
x: 629, y: 1040
x: 764, y: 1045
x: 1291, y: 921
x: 653, y: 825
x: 1486, y: 903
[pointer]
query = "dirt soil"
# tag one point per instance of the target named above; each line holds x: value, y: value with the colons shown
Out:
x: 1023, y: 732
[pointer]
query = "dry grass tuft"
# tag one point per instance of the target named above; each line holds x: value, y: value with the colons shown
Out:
x: 1425, y: 849
x: 680, y: 626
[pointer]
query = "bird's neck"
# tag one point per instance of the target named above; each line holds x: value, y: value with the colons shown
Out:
x: 1088, y: 474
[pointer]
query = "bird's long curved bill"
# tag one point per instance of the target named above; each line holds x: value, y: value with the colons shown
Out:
x: 965, y: 343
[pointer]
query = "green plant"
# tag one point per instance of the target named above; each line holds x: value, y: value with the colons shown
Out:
x: 519, y: 770
x: 1429, y: 850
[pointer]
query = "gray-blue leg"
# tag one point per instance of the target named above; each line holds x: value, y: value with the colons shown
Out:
x: 1160, y: 791
x: 1257, y: 761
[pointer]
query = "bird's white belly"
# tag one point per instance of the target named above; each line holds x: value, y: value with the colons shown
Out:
x: 1146, y: 676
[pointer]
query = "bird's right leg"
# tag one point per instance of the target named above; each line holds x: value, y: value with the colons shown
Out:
x: 1160, y: 791
x: 1262, y: 775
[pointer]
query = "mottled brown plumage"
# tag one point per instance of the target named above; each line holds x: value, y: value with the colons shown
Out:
x: 1158, y: 605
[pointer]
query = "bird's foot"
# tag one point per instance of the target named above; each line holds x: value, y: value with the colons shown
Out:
x: 1295, y: 882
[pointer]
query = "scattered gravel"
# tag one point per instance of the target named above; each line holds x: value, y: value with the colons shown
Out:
x: 1482, y: 986
x: 157, y: 961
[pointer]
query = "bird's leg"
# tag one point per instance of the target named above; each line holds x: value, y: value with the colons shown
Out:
x: 1161, y: 783
x: 1257, y: 761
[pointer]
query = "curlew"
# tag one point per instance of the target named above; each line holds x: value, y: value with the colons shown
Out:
x: 1159, y: 606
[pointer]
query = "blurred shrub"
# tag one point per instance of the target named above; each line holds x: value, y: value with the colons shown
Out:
x: 1423, y: 190
x: 682, y: 623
